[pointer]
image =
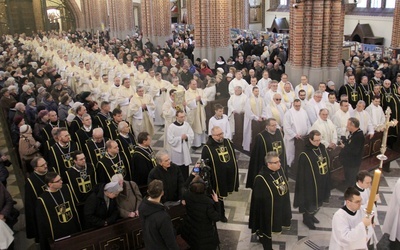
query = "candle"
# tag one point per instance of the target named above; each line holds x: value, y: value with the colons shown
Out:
x: 374, y: 189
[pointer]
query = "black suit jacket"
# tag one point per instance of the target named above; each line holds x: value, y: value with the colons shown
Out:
x: 351, y: 154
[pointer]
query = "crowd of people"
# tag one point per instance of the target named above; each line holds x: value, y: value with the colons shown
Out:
x: 82, y: 110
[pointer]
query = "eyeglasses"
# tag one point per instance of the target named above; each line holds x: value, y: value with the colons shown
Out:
x: 59, y: 180
x: 274, y: 162
x: 278, y: 99
x: 220, y: 134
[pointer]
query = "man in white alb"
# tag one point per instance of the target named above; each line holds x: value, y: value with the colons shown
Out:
x: 327, y: 129
x: 376, y: 113
x: 295, y: 125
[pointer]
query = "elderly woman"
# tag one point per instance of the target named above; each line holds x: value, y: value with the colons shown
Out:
x: 129, y: 198
x: 28, y: 147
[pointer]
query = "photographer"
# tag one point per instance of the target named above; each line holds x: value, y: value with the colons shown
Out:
x: 199, y: 228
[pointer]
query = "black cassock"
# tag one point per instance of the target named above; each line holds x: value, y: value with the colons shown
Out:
x: 109, y: 166
x: 143, y: 162
x: 313, y: 179
x: 57, y: 214
x: 46, y: 131
x: 264, y: 143
x: 224, y: 168
x: 60, y: 158
x: 112, y: 130
x: 34, y: 187
x: 270, y: 205
x: 76, y: 124
x: 81, y: 182
x: 395, y: 108
x: 127, y: 144
x: 365, y: 93
x: 82, y: 136
x: 102, y: 120
x: 95, y: 151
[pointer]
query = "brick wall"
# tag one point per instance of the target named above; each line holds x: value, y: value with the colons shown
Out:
x: 156, y: 17
x: 396, y: 27
x: 316, y: 33
x: 240, y: 14
x: 211, y: 22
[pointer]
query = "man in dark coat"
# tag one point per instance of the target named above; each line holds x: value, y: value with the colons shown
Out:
x: 158, y: 231
x: 113, y: 162
x: 199, y: 227
x: 271, y: 139
x: 56, y: 211
x: 143, y: 159
x: 352, y: 150
x: 171, y: 176
x: 223, y: 163
x: 101, y: 207
x: 313, y: 179
x: 34, y: 187
x: 270, y: 210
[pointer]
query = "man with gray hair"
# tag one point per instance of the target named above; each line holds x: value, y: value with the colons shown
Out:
x: 364, y: 118
x: 314, y: 105
x: 125, y: 139
x: 95, y: 147
x: 171, y: 176
x: 141, y: 112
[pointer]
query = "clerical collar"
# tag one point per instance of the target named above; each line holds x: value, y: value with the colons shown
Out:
x: 124, y: 135
x: 40, y: 173
x: 345, y: 208
x: 87, y: 129
x: 218, y: 117
x: 358, y: 188
x: 178, y: 124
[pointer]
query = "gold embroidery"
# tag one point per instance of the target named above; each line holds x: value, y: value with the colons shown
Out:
x: 223, y: 154
x: 85, y: 185
x: 64, y: 212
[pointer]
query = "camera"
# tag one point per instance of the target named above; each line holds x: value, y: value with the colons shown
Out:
x: 204, y: 171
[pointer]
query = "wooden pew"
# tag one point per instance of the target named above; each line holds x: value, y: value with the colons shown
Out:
x: 125, y: 234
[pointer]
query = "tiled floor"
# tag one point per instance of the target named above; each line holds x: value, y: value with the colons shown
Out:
x: 235, y: 234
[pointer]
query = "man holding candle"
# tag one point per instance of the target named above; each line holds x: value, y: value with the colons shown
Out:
x: 350, y: 228
x: 352, y: 150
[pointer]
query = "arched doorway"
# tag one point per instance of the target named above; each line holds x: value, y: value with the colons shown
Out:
x: 59, y: 15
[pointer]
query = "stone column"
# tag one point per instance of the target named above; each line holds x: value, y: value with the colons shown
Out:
x: 396, y: 27
x: 240, y: 14
x: 3, y: 18
x: 38, y: 13
x: 212, y: 21
x: 94, y: 15
x: 121, y: 18
x: 316, y: 35
x: 156, y: 21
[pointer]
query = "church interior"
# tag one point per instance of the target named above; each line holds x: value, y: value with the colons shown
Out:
x: 321, y: 35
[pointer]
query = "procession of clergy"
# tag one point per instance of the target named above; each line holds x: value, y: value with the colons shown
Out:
x: 132, y: 101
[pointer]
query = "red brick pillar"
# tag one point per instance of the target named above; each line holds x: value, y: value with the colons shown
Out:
x: 240, y: 14
x: 316, y: 35
x: 156, y: 20
x: 396, y: 27
x: 95, y: 15
x: 212, y: 22
x: 121, y: 18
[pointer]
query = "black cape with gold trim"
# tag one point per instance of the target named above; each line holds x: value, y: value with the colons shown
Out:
x: 127, y: 145
x: 107, y: 167
x: 264, y: 143
x: 270, y: 210
x: 143, y: 162
x: 56, y: 221
x: 95, y: 151
x: 60, y: 158
x: 224, y: 168
x: 81, y: 186
x: 313, y: 179
x: 34, y: 187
